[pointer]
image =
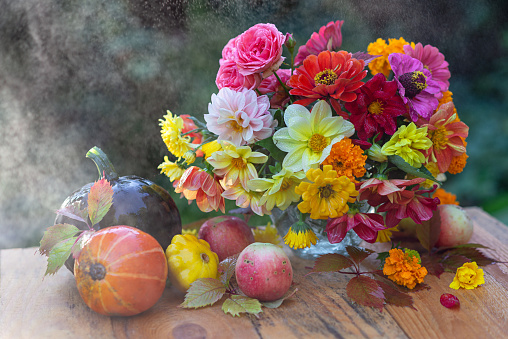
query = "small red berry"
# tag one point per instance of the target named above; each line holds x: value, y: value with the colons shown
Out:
x: 449, y: 300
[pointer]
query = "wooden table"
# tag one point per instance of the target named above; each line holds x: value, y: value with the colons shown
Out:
x: 33, y: 307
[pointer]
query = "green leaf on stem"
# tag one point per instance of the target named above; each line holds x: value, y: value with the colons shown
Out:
x: 56, y: 234
x: 59, y: 254
x: 227, y: 268
x: 275, y: 152
x: 237, y: 304
x: 203, y: 292
x: 100, y: 200
x: 421, y: 172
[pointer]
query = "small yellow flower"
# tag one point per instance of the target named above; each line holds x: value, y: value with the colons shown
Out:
x: 404, y: 268
x: 407, y: 142
x: 190, y: 157
x: 327, y: 194
x: 468, y: 276
x: 298, y: 239
x: 380, y: 47
x: 171, y: 132
x: 267, y: 234
x: 374, y: 153
x: 211, y: 147
x: 171, y: 169
x: 386, y: 234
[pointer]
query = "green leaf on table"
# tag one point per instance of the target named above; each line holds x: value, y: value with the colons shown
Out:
x: 331, y: 262
x: 227, y: 268
x: 237, y: 304
x: 428, y: 232
x: 100, y: 200
x: 59, y: 254
x: 56, y: 234
x: 275, y: 152
x: 358, y: 254
x: 366, y: 291
x: 278, y: 302
x: 73, y: 211
x: 421, y: 172
x: 203, y: 292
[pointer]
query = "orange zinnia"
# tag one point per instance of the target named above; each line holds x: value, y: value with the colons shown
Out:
x: 334, y: 75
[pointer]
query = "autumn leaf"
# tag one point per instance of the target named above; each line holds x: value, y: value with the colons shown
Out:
x: 55, y: 234
x: 227, y: 268
x: 278, y: 302
x: 358, y: 254
x: 203, y: 292
x: 433, y: 264
x: 100, y: 200
x: 59, y: 254
x: 452, y: 262
x: 428, y: 232
x: 237, y: 304
x: 331, y: 262
x: 365, y: 291
x: 73, y: 211
x: 472, y: 254
x: 394, y: 296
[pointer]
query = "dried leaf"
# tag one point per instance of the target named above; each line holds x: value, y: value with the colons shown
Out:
x: 332, y: 262
x: 55, y: 234
x: 227, y: 268
x: 428, y: 232
x: 366, y: 291
x: 100, y: 200
x: 358, y: 254
x: 203, y: 292
x: 278, y: 302
x: 433, y: 264
x: 59, y: 254
x: 237, y: 304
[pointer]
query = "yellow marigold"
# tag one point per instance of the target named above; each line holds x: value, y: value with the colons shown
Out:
x: 347, y: 159
x: 380, y: 47
x: 171, y: 169
x: 407, y: 142
x: 211, y: 147
x: 267, y: 234
x: 386, y: 234
x: 468, y: 276
x: 458, y: 164
x: 171, y: 132
x: 404, y: 268
x: 327, y: 194
x: 297, y: 239
x: 445, y: 198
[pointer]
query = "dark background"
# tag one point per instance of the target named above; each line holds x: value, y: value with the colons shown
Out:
x: 74, y: 74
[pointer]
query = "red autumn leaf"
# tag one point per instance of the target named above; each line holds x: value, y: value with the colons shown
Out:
x: 100, y: 200
x: 366, y: 291
x: 473, y: 254
x: 394, y: 296
x: 332, y: 262
x: 428, y: 232
x: 452, y: 262
x: 433, y: 264
x: 358, y: 254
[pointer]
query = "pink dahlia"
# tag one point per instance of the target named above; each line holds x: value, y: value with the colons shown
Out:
x: 259, y: 50
x: 229, y: 76
x: 432, y: 60
x: 366, y: 225
x: 329, y: 38
x: 240, y: 117
x: 272, y: 85
x: 447, y: 135
x: 376, y: 106
x: 197, y: 184
x: 416, y: 86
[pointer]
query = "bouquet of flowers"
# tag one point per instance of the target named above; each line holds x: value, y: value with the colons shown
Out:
x: 324, y: 129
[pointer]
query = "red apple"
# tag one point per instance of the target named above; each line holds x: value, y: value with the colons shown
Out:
x: 263, y: 271
x: 227, y: 235
x: 456, y: 226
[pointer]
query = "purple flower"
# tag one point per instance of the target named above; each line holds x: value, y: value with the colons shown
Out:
x: 416, y: 87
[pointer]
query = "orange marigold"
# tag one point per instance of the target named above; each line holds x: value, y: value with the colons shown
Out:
x: 347, y: 159
x: 445, y: 198
x: 404, y: 268
x: 380, y: 47
x: 458, y: 163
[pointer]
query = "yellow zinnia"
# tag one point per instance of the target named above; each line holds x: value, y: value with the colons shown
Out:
x: 327, y: 194
x: 380, y: 47
x: 407, y: 142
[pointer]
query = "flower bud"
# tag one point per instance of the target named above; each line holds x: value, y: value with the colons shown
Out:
x: 374, y: 153
x: 190, y: 157
x: 290, y: 43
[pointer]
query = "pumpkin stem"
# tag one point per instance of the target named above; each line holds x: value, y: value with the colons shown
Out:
x: 205, y: 257
x: 105, y: 167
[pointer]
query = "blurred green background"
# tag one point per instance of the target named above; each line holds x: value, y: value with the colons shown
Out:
x: 74, y: 74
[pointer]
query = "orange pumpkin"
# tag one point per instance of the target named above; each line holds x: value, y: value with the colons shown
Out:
x: 121, y: 271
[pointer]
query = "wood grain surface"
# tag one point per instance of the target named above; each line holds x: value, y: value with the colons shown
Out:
x: 35, y: 307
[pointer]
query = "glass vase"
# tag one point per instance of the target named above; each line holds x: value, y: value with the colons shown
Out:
x: 283, y: 220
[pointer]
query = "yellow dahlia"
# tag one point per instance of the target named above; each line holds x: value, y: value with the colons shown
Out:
x: 211, y: 147
x: 327, y: 194
x: 171, y: 132
x: 171, y: 169
x: 347, y: 159
x: 408, y: 142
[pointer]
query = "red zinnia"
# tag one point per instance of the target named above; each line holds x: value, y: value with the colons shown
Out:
x: 375, y: 108
x: 334, y: 75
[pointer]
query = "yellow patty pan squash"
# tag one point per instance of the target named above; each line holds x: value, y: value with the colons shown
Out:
x: 189, y: 259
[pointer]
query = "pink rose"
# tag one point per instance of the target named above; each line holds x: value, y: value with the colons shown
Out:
x: 228, y: 52
x: 259, y: 50
x: 228, y: 76
x: 272, y: 85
